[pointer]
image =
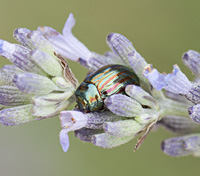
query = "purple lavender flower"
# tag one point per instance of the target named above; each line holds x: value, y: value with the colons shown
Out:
x: 40, y: 85
x: 127, y: 116
x: 182, y: 146
x: 177, y: 83
x: 37, y: 85
x: 70, y: 47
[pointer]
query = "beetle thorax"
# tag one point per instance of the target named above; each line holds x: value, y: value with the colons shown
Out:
x: 88, y: 98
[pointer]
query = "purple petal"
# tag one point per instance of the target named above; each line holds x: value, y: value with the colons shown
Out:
x: 12, y: 69
x: 85, y: 134
x: 34, y: 84
x: 73, y: 120
x: 33, y: 39
x: 66, y: 45
x: 194, y: 93
x: 97, y: 119
x: 20, y: 35
x: 177, y: 97
x: 180, y: 125
x: 123, y: 128
x: 16, y: 115
x: 11, y: 96
x: 194, y: 112
x: 120, y: 45
x: 97, y: 61
x: 181, y: 146
x: 143, y: 97
x: 19, y: 56
x: 64, y: 140
x: 123, y: 105
x: 5, y: 78
x: 192, y: 60
x: 124, y: 48
x: 175, y: 82
x: 114, y: 58
x: 69, y: 25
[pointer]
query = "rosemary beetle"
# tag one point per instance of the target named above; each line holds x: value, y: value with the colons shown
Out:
x: 106, y: 81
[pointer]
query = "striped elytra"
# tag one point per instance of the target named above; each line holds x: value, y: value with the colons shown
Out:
x: 108, y: 80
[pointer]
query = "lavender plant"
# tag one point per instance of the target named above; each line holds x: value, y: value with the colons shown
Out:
x: 41, y: 85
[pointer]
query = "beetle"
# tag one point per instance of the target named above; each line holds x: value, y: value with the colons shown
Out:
x: 106, y: 81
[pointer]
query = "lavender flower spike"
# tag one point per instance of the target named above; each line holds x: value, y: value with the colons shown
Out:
x: 40, y: 84
x: 182, y: 146
x: 175, y: 82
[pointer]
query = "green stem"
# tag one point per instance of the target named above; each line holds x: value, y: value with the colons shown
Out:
x: 171, y: 107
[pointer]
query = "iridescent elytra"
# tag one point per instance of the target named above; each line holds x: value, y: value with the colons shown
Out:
x: 106, y: 81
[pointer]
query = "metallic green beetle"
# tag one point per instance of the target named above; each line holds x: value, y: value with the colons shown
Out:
x: 108, y: 80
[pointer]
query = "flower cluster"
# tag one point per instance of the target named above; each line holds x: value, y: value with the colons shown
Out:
x: 135, y: 113
x: 41, y: 85
x: 38, y: 84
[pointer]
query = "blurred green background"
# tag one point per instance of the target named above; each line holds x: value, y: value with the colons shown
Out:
x: 160, y: 30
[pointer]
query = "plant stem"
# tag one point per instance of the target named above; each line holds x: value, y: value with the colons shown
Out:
x: 172, y: 107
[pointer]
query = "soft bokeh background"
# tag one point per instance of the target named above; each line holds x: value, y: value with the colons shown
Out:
x: 160, y: 30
